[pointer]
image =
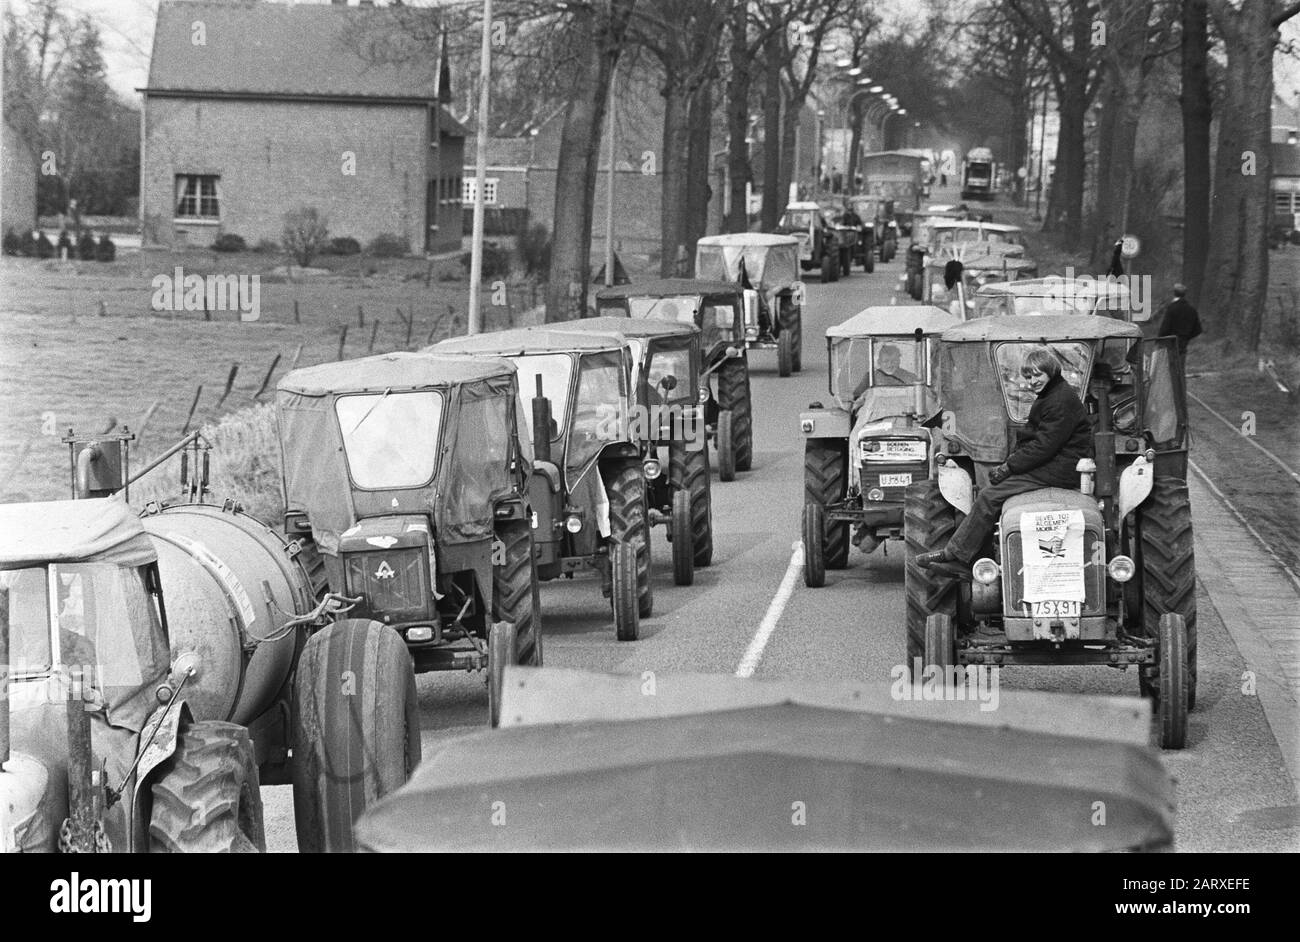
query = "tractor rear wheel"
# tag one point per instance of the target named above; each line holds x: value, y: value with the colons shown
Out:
x: 1172, y: 705
x: 625, y: 485
x: 814, y: 545
x: 514, y: 592
x: 733, y: 394
x: 825, y: 480
x: 502, y: 650
x: 928, y: 522
x: 688, y: 470
x: 356, y: 730
x: 683, y: 539
x: 207, y: 797
x: 726, y: 439
x: 1169, y: 569
x: 623, y: 564
x: 940, y: 643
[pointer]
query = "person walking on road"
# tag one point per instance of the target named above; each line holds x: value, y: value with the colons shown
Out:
x: 1180, y: 320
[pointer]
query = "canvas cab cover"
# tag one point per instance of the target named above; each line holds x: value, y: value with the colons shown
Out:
x: 771, y: 261
x: 102, y: 530
x: 399, y: 433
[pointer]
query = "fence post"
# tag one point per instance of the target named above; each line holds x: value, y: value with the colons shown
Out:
x: 343, y: 339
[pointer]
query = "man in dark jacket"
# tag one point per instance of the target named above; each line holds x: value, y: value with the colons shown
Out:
x: 1057, y: 436
x: 1180, y: 320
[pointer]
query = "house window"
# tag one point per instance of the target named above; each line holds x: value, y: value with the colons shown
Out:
x: 469, y: 186
x: 196, y: 197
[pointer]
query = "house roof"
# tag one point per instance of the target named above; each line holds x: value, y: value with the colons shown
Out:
x: 503, y: 152
x: 1286, y: 160
x: 257, y: 49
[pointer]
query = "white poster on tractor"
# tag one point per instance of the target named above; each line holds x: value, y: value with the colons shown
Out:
x: 1051, y: 544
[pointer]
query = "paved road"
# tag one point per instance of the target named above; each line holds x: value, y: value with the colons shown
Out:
x: 1234, y: 792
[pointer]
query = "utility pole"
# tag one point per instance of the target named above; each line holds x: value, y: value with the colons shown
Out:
x: 609, y: 187
x: 475, y: 319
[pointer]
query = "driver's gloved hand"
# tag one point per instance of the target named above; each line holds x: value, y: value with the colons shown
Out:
x: 999, y: 474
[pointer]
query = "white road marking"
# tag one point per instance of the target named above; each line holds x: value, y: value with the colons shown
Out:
x: 754, y: 653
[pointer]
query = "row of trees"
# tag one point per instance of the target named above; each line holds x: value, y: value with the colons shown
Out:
x: 57, y: 97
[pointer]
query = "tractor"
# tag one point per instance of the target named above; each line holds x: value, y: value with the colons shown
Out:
x: 671, y: 427
x: 587, y: 487
x: 1103, y: 574
x: 406, y: 474
x: 769, y: 264
x: 877, y: 215
x: 823, y: 244
x: 1057, y: 295
x: 953, y: 286
x: 862, y: 452
x: 717, y: 308
x: 99, y: 748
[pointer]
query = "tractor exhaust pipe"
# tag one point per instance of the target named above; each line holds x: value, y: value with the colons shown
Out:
x: 4, y: 678
x: 541, y: 424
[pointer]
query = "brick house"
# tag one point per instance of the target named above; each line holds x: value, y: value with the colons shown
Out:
x: 17, y: 181
x: 254, y: 109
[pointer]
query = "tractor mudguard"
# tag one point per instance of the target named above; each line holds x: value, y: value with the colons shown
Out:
x: 825, y: 423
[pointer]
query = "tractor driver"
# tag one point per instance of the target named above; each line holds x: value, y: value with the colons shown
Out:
x: 889, y: 371
x: 1058, y: 434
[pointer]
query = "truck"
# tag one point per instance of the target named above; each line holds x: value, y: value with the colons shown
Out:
x: 896, y: 175
x: 978, y: 173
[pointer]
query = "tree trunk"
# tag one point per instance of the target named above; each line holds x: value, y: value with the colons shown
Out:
x: 675, y: 170
x: 773, y: 202
x: 1103, y: 217
x: 1065, y: 207
x: 699, y: 189
x: 1197, y: 115
x: 855, y: 144
x: 1237, y: 268
x: 789, y: 139
x: 600, y: 40
x: 738, y: 166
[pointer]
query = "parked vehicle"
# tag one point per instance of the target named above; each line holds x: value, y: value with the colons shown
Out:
x: 1100, y: 575
x: 769, y: 264
x: 717, y: 308
x: 864, y: 449
x: 586, y: 489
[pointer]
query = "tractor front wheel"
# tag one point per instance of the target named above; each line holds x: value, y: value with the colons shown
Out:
x: 726, y: 446
x: 501, y: 651
x: 733, y: 394
x: 625, y: 485
x: 623, y: 565
x: 814, y: 545
x: 940, y: 643
x: 1174, y: 682
x: 683, y: 539
x: 825, y: 480
x: 515, y: 592
x: 356, y: 730
x: 1169, y: 568
x: 207, y: 797
x: 828, y: 269
x: 689, y: 471
x: 784, y: 354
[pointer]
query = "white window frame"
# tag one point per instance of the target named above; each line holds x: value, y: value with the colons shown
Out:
x: 183, y: 184
x: 469, y: 187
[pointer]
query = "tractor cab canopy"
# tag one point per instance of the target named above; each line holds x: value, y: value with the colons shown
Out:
x: 586, y: 376
x: 665, y: 355
x: 79, y: 600
x: 980, y: 377
x: 881, y: 354
x: 713, y: 306
x: 1006, y: 238
x: 401, y: 433
x: 1056, y: 295
x: 979, y: 268
x: 771, y: 262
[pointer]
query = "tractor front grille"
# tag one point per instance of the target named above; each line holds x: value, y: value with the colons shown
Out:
x: 1094, y: 576
x: 873, y: 472
x: 394, y: 583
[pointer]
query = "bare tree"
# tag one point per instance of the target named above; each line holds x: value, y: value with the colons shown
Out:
x: 1197, y: 113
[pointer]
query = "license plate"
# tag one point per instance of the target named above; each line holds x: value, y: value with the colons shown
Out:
x: 895, y: 480
x: 1054, y: 608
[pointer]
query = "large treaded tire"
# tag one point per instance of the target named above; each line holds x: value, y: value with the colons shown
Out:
x: 726, y: 444
x: 356, y: 729
x: 503, y: 650
x: 928, y: 522
x: 825, y: 480
x: 689, y: 470
x: 1168, y: 570
x: 784, y: 354
x: 683, y: 539
x: 207, y: 798
x: 814, y: 545
x: 734, y: 394
x: 1172, y: 704
x: 625, y: 486
x: 514, y: 592
x: 940, y: 643
x: 627, y: 617
x: 792, y: 324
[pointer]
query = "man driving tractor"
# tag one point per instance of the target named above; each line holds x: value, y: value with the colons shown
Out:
x: 1057, y: 436
x: 889, y: 371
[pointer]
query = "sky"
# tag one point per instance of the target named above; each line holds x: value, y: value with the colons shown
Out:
x: 127, y: 28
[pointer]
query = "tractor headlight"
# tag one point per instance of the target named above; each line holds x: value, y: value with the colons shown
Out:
x: 704, y: 395
x: 1121, y: 568
x: 875, y: 494
x: 986, y: 571
x: 573, y: 524
x: 652, y: 470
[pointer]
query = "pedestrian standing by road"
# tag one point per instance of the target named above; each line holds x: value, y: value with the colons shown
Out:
x: 1181, y: 319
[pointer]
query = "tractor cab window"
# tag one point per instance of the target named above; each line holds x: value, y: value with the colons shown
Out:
x: 678, y: 310
x: 599, y: 414
x: 556, y: 373
x: 719, y: 322
x: 29, y: 621
x: 391, y: 439
x: 1075, y: 359
x: 1050, y: 304
x: 673, y: 366
x: 866, y: 367
x: 478, y: 473
x: 798, y: 220
x: 1160, y: 408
